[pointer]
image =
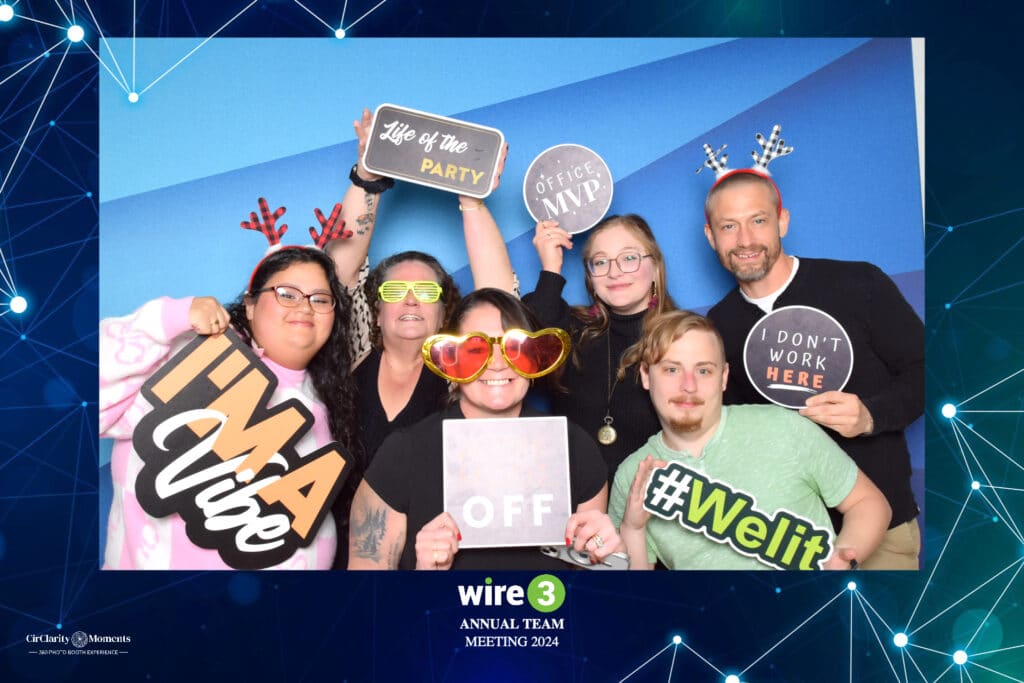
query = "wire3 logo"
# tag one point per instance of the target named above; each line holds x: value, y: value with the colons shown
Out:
x: 545, y: 593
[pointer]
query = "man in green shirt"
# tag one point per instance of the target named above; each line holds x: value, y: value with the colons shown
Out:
x: 737, y: 487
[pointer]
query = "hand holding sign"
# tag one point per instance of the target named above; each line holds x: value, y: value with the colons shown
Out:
x: 207, y: 316
x: 549, y: 240
x: 592, y: 531
x: 839, y: 411
x: 437, y: 542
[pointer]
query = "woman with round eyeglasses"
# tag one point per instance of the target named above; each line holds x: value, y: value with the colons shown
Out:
x: 494, y: 349
x: 625, y: 278
x: 402, y: 301
x: 295, y: 314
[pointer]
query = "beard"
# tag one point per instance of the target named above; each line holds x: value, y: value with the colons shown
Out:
x: 752, y: 271
x: 686, y: 424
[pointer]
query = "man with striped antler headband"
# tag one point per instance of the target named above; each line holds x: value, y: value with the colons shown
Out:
x: 745, y: 224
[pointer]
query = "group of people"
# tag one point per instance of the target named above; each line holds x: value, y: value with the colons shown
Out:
x: 645, y: 385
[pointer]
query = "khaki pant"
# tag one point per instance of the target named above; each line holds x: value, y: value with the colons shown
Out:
x: 900, y: 548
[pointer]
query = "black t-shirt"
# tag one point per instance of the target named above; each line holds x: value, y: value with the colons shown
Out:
x: 407, y: 473
x: 426, y: 399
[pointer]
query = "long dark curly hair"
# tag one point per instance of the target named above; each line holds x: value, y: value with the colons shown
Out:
x: 330, y: 369
x: 449, y: 290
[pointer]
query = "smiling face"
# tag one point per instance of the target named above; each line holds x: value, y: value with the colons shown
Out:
x: 290, y: 336
x: 745, y: 228
x: 686, y: 384
x: 623, y: 293
x: 409, y: 320
x: 498, y: 392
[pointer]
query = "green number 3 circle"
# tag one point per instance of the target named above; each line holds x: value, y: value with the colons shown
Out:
x: 546, y: 593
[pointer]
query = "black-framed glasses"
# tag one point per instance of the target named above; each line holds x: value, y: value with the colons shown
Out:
x: 627, y: 261
x: 291, y: 297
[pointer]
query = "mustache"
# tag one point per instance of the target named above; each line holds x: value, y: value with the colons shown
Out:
x: 683, y: 398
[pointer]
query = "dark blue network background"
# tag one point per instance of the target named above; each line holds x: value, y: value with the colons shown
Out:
x: 375, y: 627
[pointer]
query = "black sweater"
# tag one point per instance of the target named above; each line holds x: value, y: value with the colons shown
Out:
x: 888, y: 362
x: 587, y: 399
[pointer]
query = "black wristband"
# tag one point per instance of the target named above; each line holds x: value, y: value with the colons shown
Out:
x: 371, y: 186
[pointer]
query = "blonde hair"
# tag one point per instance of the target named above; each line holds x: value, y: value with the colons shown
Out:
x: 660, y: 332
x: 595, y: 317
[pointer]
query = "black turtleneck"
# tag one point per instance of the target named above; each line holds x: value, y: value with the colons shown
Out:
x: 586, y: 402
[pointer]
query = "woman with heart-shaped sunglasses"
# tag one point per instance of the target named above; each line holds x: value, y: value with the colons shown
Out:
x: 402, y: 301
x: 493, y: 349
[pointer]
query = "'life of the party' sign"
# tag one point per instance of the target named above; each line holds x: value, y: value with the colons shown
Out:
x: 433, y: 150
x: 570, y: 184
x: 796, y: 352
x: 214, y: 454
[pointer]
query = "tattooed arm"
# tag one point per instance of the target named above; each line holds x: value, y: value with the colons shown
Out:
x: 376, y: 532
x: 359, y: 210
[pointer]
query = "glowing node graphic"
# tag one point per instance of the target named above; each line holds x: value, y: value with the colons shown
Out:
x: 23, y: 337
x: 676, y: 640
x: 76, y: 33
x: 949, y: 228
x: 133, y: 97
x: 777, y: 590
x: 60, y: 626
x: 88, y: 194
x: 732, y: 678
x: 948, y: 411
x: 18, y: 304
x: 6, y: 12
x: 960, y: 657
x: 900, y: 640
x: 975, y: 485
x: 84, y: 404
x: 947, y: 306
x: 339, y: 34
x: 852, y: 586
x: 53, y: 123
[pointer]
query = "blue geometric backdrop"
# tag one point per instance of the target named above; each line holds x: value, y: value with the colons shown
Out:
x: 759, y: 627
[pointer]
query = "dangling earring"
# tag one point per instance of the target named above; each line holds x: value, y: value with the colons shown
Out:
x: 654, y: 295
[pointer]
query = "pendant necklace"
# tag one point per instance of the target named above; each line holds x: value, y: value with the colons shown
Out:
x: 606, y: 434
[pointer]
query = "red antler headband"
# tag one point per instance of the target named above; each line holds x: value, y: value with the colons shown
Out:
x: 330, y: 228
x: 771, y: 149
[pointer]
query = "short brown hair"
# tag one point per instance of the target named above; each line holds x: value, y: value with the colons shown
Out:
x: 660, y: 332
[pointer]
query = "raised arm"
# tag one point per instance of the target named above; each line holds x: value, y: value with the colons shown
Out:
x: 488, y: 255
x: 376, y: 532
x: 359, y: 211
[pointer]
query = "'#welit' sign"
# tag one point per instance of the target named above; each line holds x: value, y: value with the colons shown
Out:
x: 215, y: 455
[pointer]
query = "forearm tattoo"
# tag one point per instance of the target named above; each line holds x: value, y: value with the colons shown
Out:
x: 364, y: 222
x: 368, y: 532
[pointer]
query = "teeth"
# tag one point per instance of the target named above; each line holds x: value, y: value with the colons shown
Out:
x: 410, y: 317
x: 495, y: 382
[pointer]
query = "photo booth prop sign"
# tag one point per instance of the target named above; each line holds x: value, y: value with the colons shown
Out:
x: 433, y: 150
x: 570, y: 184
x: 506, y: 481
x: 230, y: 467
x: 796, y: 352
x: 730, y: 516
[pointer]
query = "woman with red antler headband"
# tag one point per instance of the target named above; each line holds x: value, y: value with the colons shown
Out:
x: 295, y: 314
x: 494, y: 349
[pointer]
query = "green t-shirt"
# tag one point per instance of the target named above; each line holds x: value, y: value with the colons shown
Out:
x: 782, y: 460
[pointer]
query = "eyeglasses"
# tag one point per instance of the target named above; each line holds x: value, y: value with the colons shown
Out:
x: 393, y: 291
x: 627, y: 261
x: 291, y: 297
x: 529, y: 354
